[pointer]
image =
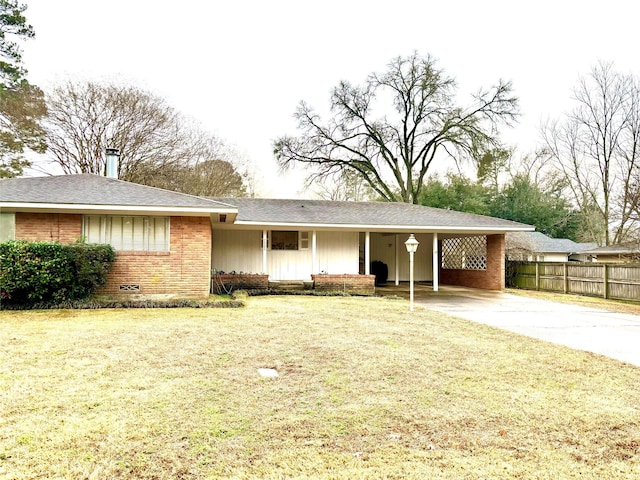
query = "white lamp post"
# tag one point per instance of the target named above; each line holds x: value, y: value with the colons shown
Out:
x: 412, y: 246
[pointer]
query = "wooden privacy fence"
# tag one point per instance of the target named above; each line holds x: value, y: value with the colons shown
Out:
x: 620, y: 282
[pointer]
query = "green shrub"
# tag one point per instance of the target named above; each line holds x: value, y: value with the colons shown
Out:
x: 47, y: 272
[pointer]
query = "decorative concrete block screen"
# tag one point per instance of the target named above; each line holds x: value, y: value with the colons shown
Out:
x: 464, y: 253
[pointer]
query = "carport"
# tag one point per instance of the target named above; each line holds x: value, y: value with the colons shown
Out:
x: 296, y: 240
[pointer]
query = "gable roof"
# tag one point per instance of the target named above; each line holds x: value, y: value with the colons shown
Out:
x: 620, y: 249
x: 87, y: 192
x: 538, y: 242
x: 375, y: 216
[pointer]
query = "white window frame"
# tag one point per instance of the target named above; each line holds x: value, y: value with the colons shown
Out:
x: 304, y: 240
x: 128, y: 232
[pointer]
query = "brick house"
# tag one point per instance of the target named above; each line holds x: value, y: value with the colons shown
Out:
x: 168, y: 244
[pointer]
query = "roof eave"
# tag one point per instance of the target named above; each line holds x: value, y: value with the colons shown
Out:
x: 111, y: 209
x: 389, y: 227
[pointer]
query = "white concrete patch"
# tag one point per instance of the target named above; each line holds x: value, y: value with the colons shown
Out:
x: 268, y: 372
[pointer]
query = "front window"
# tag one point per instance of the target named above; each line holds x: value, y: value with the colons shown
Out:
x: 284, y: 240
x: 129, y: 233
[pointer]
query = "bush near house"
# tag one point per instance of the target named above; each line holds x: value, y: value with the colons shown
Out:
x: 51, y: 272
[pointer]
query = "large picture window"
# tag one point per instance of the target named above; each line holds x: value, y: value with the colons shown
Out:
x: 128, y: 232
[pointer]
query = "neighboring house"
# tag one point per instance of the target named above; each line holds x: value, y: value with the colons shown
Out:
x: 538, y: 247
x: 623, y: 253
x: 168, y: 243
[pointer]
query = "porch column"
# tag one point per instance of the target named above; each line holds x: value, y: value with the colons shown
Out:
x: 313, y: 252
x: 397, y: 260
x: 435, y: 262
x: 264, y: 251
x: 367, y: 253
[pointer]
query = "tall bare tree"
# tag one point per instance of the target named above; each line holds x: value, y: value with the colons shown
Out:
x: 393, y: 152
x: 597, y: 149
x: 84, y: 118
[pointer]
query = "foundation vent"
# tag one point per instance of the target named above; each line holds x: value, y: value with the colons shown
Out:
x: 130, y: 287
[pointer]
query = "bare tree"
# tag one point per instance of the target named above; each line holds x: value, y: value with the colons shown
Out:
x: 154, y: 140
x: 211, y: 178
x: 597, y: 149
x: 394, y: 153
x: 344, y: 186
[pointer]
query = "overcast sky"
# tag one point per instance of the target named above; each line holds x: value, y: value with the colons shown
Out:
x: 241, y: 67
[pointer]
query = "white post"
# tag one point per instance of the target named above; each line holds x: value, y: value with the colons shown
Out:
x: 397, y: 261
x: 411, y: 281
x: 435, y: 262
x: 313, y: 252
x: 264, y: 251
x: 367, y: 253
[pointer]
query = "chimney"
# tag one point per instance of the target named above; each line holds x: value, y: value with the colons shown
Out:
x: 113, y: 155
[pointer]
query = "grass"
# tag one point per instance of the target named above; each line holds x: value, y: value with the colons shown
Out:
x: 366, y: 390
x: 618, y: 306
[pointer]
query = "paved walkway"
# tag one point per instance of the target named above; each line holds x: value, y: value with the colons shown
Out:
x: 615, y: 335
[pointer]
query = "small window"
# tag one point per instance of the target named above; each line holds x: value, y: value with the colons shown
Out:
x: 7, y: 226
x: 304, y: 240
x: 284, y: 240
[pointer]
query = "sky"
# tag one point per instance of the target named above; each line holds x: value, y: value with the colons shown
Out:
x: 241, y: 67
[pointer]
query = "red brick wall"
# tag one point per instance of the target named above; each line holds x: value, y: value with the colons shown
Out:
x: 223, y: 281
x: 490, y: 279
x: 182, y: 272
x: 48, y: 227
x: 348, y: 283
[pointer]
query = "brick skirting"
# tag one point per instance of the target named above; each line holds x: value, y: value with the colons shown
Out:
x: 347, y: 283
x: 227, y: 282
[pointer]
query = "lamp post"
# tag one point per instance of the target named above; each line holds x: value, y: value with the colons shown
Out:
x: 412, y: 246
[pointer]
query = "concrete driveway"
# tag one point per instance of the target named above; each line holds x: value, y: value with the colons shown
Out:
x: 614, y: 335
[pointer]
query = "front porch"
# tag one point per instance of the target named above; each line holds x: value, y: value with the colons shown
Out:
x: 465, y: 259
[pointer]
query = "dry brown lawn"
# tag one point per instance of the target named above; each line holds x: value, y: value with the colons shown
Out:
x: 617, y: 306
x: 366, y: 390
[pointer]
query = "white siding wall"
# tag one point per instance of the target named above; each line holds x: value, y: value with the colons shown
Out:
x: 240, y: 250
x: 237, y: 250
x: 383, y: 248
x: 337, y: 252
x: 554, y: 257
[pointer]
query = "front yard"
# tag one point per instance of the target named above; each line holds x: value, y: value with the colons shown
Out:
x: 365, y: 390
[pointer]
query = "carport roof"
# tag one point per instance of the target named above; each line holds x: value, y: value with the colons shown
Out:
x: 378, y: 215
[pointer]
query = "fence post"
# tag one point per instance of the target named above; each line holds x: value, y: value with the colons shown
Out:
x: 537, y: 275
x: 605, y: 279
x: 566, y: 278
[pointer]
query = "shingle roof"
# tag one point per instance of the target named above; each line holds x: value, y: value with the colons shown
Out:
x: 540, y: 243
x: 323, y: 212
x: 87, y: 189
x: 621, y: 249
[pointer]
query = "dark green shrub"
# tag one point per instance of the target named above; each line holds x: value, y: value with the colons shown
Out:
x: 47, y: 272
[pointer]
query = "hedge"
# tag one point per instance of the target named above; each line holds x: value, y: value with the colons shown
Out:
x: 50, y: 272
